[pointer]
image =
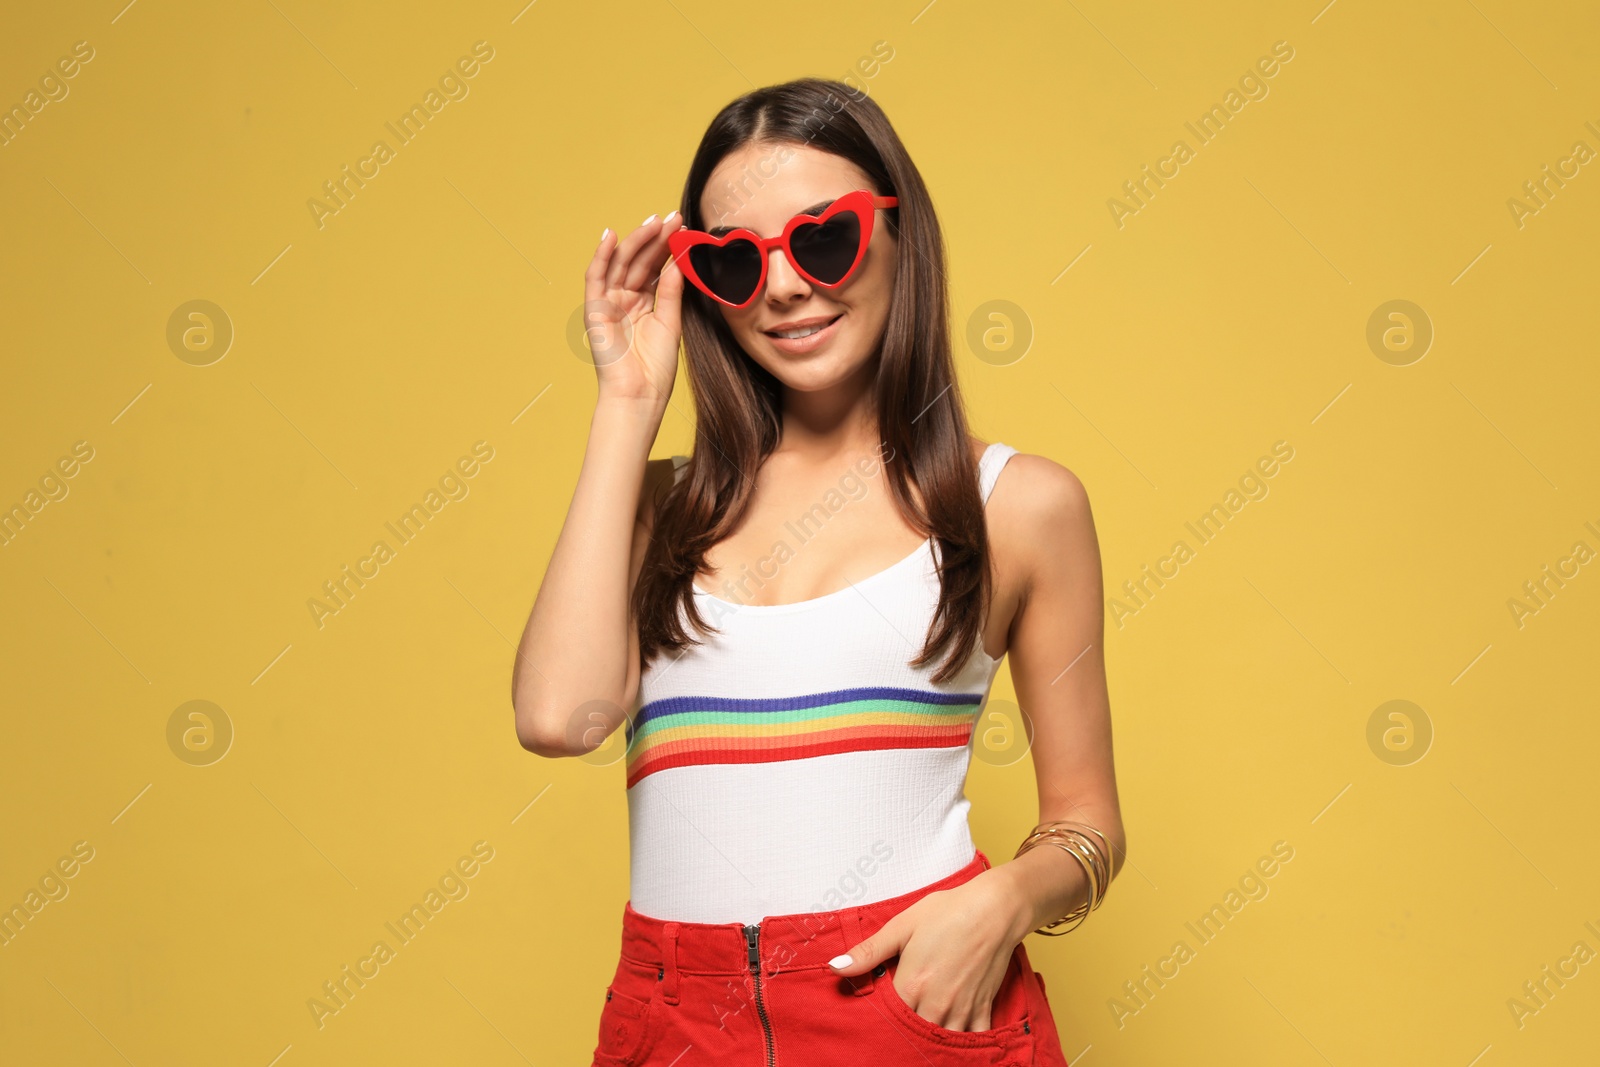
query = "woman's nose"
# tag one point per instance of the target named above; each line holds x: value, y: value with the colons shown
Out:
x: 784, y: 282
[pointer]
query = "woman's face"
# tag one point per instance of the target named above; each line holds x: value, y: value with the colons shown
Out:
x: 740, y: 193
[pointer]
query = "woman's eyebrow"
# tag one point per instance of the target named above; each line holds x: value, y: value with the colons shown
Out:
x: 718, y: 231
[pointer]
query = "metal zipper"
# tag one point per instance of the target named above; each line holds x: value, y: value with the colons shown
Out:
x: 752, y: 940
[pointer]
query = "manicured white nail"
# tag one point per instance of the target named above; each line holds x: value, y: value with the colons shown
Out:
x: 605, y: 233
x: 670, y: 216
x: 840, y: 961
x: 648, y: 221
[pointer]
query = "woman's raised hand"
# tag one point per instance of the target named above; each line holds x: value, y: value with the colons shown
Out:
x: 632, y: 298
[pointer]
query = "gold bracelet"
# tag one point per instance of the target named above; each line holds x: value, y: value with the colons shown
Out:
x: 1095, y: 863
x: 1076, y: 915
x: 1094, y: 885
x: 1085, y: 826
x: 1083, y: 850
x: 1074, y: 918
x: 1073, y: 839
x: 1101, y: 858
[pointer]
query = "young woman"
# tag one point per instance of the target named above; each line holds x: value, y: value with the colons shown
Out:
x: 796, y: 627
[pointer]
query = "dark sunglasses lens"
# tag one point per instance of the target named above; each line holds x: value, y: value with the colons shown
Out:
x: 826, y: 250
x: 731, y: 271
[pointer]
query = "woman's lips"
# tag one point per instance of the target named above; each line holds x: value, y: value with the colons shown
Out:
x: 799, y: 346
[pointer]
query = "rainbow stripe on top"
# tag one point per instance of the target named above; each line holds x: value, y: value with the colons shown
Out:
x: 690, y: 731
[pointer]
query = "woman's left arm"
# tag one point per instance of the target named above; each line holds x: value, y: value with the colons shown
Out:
x: 1057, y: 654
x: 1043, y: 530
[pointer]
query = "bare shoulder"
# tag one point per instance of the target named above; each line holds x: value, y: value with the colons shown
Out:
x: 1038, y: 492
x: 1039, y: 516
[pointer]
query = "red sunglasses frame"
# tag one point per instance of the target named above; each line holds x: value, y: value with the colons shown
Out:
x: 863, y: 202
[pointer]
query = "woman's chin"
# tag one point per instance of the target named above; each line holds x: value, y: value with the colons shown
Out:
x: 814, y: 374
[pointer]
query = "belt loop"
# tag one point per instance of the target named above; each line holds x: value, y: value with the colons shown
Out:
x: 850, y: 924
x: 669, y: 951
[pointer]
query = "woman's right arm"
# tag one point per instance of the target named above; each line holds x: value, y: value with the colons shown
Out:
x: 577, y: 664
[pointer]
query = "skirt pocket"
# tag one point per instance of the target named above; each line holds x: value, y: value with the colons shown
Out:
x: 627, y: 1022
x: 1007, y: 1040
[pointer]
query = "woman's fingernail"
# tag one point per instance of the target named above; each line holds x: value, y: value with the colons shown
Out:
x: 605, y: 233
x: 648, y: 221
x: 840, y: 961
x: 670, y: 216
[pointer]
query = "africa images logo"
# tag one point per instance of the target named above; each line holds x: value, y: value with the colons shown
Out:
x: 452, y: 86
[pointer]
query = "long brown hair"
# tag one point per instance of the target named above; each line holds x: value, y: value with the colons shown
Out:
x: 921, y: 420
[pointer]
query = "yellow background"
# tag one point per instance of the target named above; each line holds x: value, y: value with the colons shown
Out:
x: 371, y: 353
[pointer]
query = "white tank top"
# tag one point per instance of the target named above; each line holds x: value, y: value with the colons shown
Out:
x: 794, y: 762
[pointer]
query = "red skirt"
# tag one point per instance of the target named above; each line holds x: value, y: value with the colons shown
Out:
x: 691, y: 993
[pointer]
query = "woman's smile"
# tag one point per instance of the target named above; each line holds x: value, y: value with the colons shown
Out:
x: 800, y: 336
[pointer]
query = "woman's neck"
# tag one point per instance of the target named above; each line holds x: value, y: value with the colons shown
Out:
x: 841, y: 419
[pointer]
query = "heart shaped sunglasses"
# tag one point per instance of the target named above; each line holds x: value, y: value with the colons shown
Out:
x: 825, y: 249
